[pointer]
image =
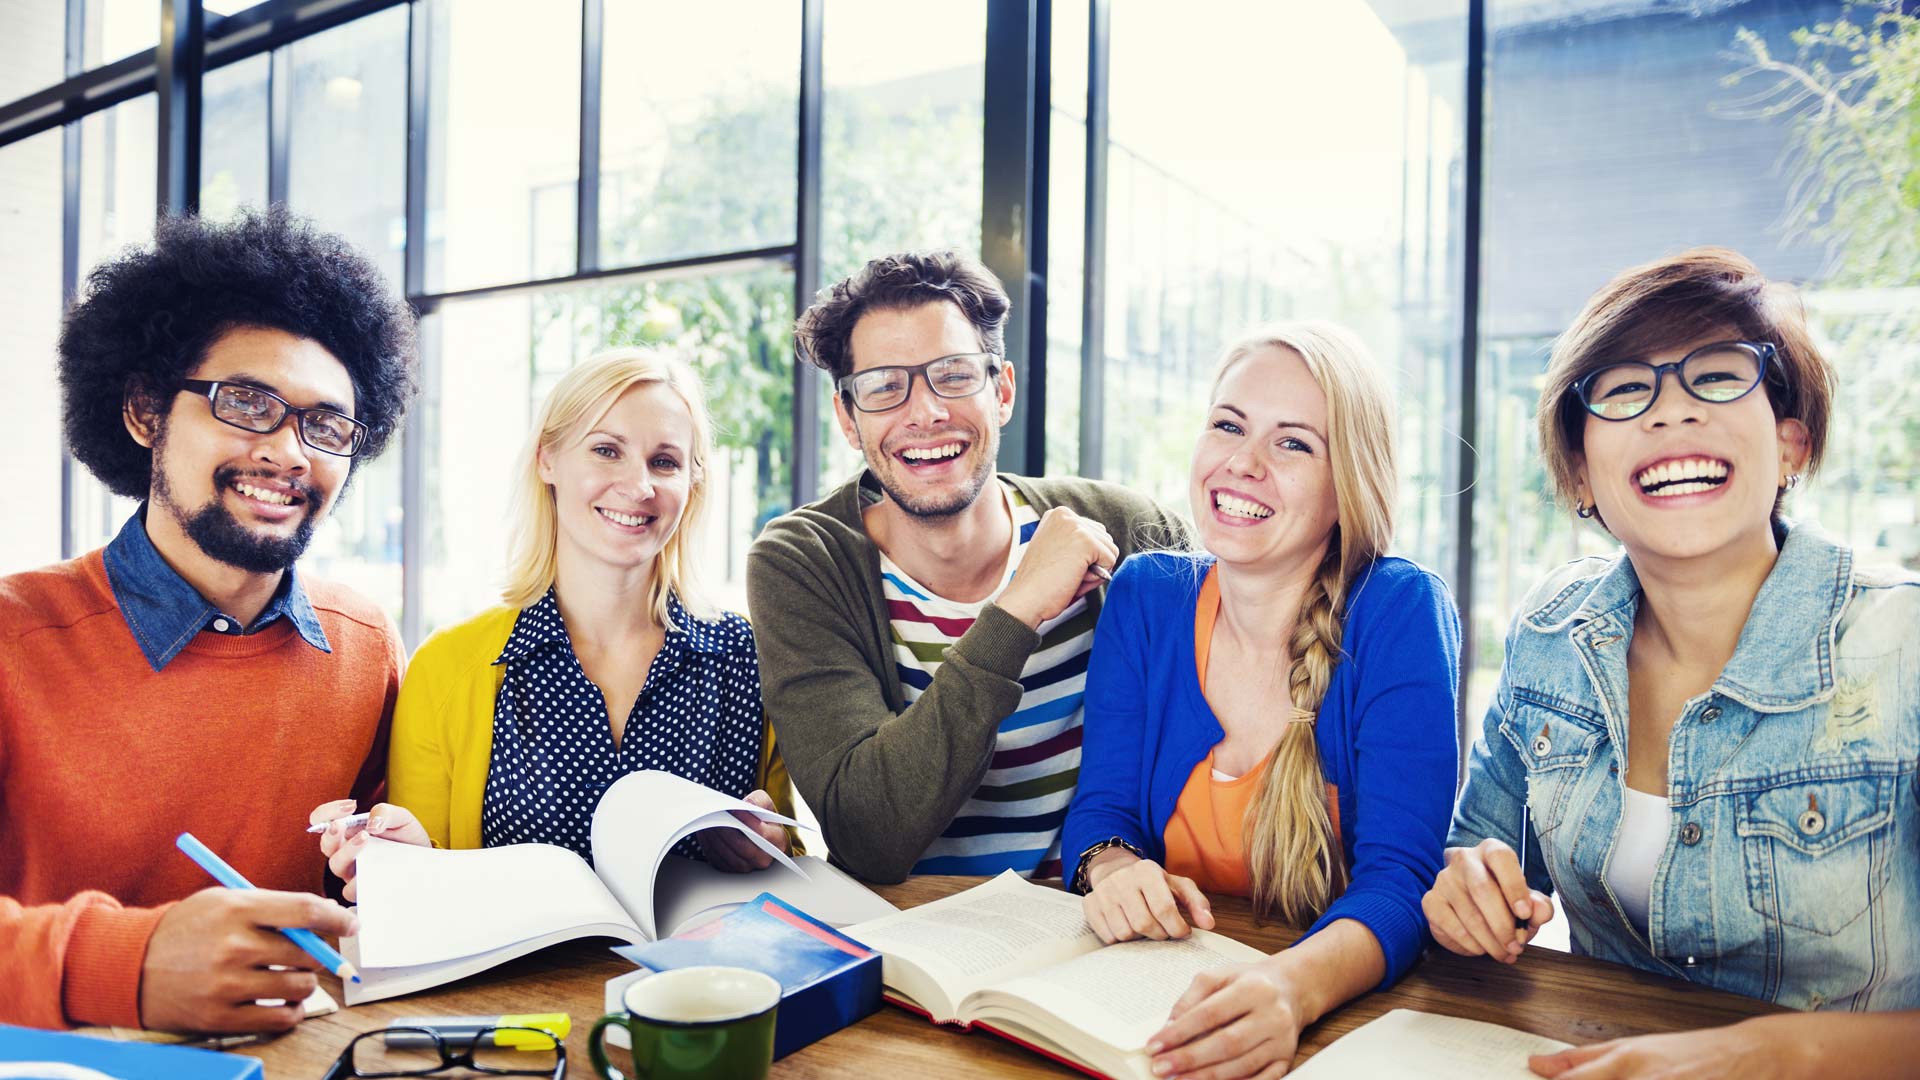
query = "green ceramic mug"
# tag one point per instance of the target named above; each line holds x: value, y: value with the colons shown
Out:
x: 696, y: 1023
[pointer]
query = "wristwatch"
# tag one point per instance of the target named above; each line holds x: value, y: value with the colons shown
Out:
x: 1080, y: 883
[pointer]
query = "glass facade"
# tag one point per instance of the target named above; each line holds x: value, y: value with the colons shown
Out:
x: 900, y: 147
x: 698, y: 130
x: 1227, y: 208
x: 233, y: 137
x: 492, y: 361
x: 1312, y: 163
x: 496, y: 216
x: 1663, y: 133
x: 30, y: 219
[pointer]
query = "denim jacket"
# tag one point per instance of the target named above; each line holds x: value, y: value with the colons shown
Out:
x: 1792, y: 865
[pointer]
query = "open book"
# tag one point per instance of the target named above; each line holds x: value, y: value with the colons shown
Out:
x: 429, y: 916
x: 1018, y: 959
x: 1434, y: 1047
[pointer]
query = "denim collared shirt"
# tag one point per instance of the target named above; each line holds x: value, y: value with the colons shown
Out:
x: 1791, y: 870
x: 164, y: 612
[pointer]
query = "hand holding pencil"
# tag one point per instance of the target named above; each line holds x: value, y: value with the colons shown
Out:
x: 214, y: 954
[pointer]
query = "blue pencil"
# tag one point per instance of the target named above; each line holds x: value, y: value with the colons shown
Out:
x: 226, y: 875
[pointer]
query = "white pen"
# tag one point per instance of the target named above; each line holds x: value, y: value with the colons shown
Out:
x: 345, y: 823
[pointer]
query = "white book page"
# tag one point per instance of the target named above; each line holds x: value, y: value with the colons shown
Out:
x: 377, y: 983
x: 640, y: 818
x: 991, y: 931
x: 1409, y: 1043
x: 688, y: 892
x: 420, y: 905
x: 1119, y: 994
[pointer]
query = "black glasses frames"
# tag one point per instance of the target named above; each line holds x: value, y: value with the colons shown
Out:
x: 250, y: 408
x: 1717, y: 373
x: 883, y: 389
x: 413, y: 1051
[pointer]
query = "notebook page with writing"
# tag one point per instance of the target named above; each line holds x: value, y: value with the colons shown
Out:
x: 1120, y: 994
x: 420, y: 906
x: 1409, y: 1043
x: 968, y: 940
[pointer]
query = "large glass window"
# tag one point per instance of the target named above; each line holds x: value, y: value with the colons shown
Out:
x: 30, y: 216
x: 33, y: 50
x: 504, y: 153
x: 901, y: 153
x: 1241, y: 190
x: 1066, y: 236
x: 117, y: 28
x: 233, y: 138
x: 699, y: 128
x: 347, y: 155
x: 119, y: 149
x: 347, y: 170
x: 496, y: 358
x: 1617, y: 134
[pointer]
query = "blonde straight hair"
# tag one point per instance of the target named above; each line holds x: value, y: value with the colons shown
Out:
x: 1292, y: 859
x: 576, y: 403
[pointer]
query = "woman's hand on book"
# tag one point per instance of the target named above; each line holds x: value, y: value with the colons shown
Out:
x: 1478, y: 897
x: 341, y: 843
x: 1136, y: 898
x: 731, y: 850
x: 1235, y: 1021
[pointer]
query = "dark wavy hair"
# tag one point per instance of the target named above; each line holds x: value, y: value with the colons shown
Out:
x: 147, y: 318
x: 906, y: 279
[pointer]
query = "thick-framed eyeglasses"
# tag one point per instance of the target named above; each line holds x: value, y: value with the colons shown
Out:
x: 253, y: 409
x: 879, y: 389
x: 412, y: 1051
x: 1718, y: 373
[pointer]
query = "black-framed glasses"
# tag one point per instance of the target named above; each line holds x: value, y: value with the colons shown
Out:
x: 414, y: 1051
x: 253, y: 409
x: 1718, y: 373
x: 879, y: 389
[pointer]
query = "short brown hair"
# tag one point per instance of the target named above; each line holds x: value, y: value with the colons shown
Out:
x: 894, y: 282
x: 1666, y: 303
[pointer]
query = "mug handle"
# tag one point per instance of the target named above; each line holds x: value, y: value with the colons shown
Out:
x: 598, y: 1052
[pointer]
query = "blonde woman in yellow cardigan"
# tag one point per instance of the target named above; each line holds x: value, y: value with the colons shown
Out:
x: 604, y: 660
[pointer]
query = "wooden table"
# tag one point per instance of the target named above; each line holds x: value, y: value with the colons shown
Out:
x: 1549, y: 993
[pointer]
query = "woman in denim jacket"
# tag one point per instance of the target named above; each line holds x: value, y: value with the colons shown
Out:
x: 1706, y: 747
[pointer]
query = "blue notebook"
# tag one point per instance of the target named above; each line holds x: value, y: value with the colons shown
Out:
x: 121, y: 1060
x: 828, y: 980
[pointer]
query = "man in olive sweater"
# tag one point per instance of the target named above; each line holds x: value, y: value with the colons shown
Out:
x: 923, y: 630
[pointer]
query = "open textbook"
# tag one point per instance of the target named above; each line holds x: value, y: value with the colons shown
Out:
x: 1017, y: 959
x: 1405, y: 1043
x: 429, y: 916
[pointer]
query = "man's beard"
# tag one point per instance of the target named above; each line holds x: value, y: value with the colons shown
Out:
x: 933, y: 507
x: 221, y: 536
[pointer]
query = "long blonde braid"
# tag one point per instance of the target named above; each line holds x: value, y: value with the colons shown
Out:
x: 1295, y: 865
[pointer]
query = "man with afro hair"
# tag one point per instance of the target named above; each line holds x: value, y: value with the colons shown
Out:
x: 185, y: 677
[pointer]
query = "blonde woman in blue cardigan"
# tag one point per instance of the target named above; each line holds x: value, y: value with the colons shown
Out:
x: 1272, y: 718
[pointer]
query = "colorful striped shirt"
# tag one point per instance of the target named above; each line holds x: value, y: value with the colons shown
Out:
x: 1013, y: 819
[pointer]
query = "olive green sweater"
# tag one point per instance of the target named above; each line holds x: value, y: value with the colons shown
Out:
x: 886, y: 778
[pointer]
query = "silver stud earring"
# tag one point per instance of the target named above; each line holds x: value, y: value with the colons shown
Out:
x: 1793, y: 481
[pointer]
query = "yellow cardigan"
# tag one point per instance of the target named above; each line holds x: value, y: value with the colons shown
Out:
x: 443, y: 731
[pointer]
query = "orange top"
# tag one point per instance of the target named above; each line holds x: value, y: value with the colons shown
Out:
x: 1205, y: 837
x: 103, y: 761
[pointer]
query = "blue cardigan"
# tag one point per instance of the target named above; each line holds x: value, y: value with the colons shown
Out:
x: 1386, y: 732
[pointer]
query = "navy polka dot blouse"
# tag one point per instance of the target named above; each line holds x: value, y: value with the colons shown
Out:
x: 698, y: 716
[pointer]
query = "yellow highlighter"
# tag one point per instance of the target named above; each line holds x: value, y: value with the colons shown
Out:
x: 459, y: 1031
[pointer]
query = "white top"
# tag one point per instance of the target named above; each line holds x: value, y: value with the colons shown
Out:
x: 1644, y: 822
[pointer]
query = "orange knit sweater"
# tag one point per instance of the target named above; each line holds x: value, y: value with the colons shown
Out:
x: 103, y: 761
